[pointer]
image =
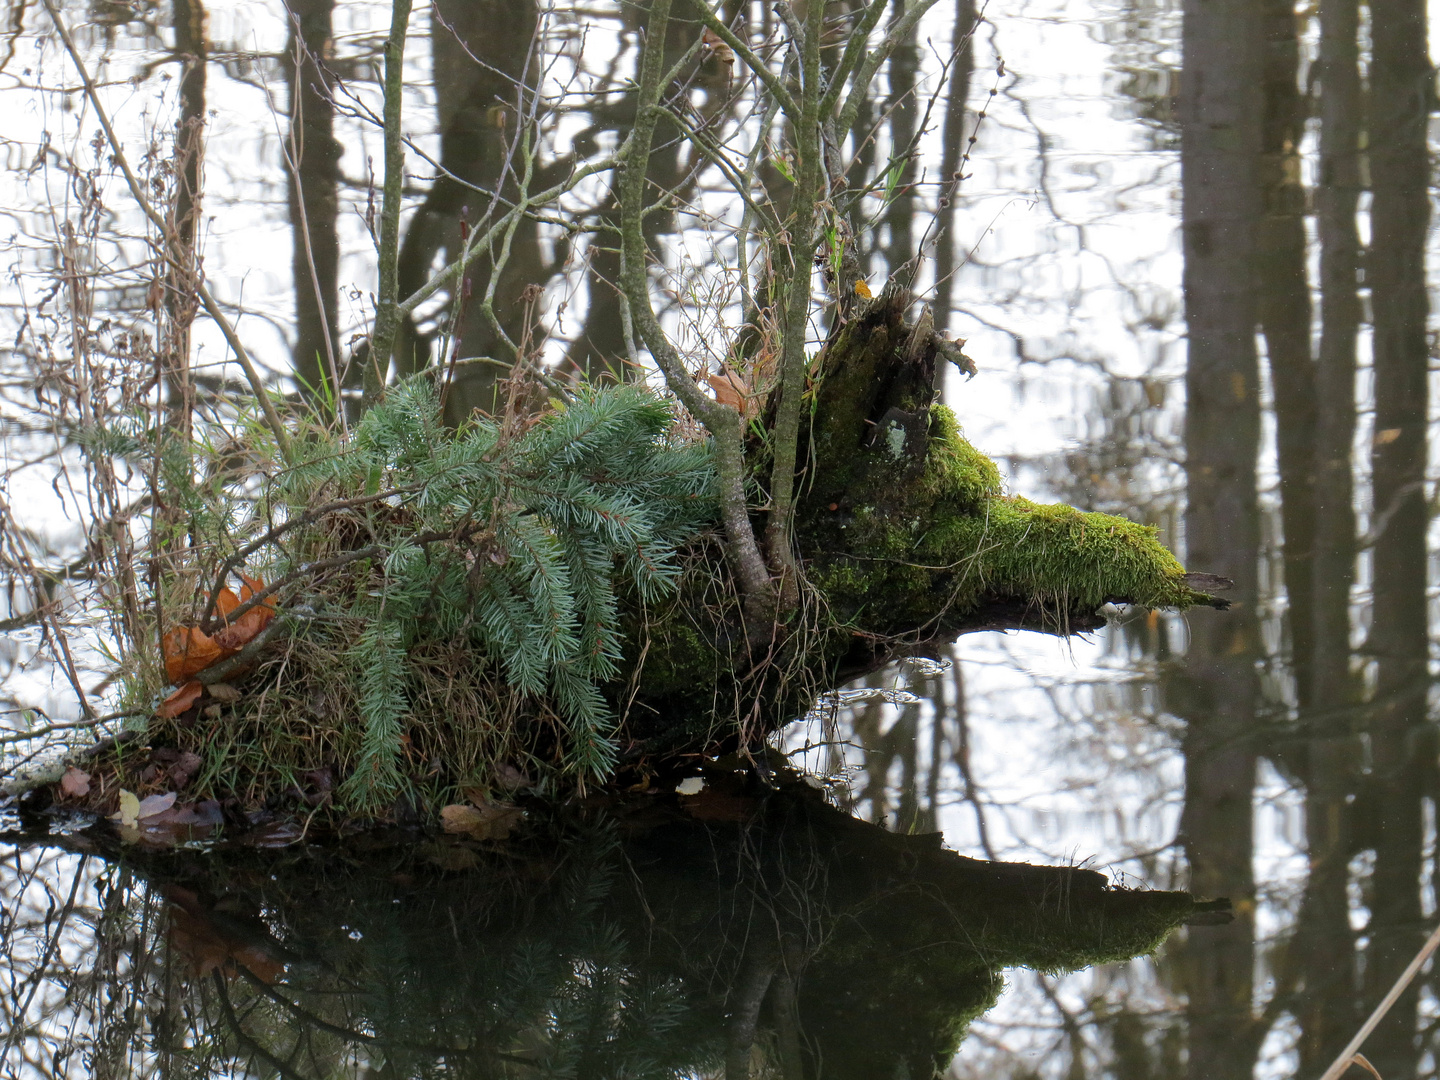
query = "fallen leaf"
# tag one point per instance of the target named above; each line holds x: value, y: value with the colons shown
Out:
x: 250, y: 588
x: 274, y: 834
x: 244, y: 629
x: 221, y: 691
x: 511, y: 778
x: 74, y: 783
x: 188, y: 765
x: 691, y: 785
x: 180, y: 700
x: 226, y: 602
x: 129, y: 812
x: 189, y: 650
x: 493, y: 821
x: 152, y: 805
x: 730, y: 389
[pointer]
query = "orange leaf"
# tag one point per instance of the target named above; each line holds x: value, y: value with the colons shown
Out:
x: 226, y: 602
x: 233, y: 638
x: 245, y: 628
x: 729, y: 389
x: 189, y: 649
x: 180, y: 700
x: 252, y: 586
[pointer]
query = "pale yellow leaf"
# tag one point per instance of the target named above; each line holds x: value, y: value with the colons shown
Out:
x: 129, y: 810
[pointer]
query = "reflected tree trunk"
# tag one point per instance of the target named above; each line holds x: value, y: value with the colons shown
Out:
x: 904, y: 112
x: 1283, y: 295
x: 192, y: 48
x: 481, y: 52
x: 1323, y: 949
x: 1220, y: 143
x: 1401, y: 738
x: 599, y: 349
x: 313, y: 191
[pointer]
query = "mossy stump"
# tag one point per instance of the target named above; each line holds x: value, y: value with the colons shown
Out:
x: 907, y: 541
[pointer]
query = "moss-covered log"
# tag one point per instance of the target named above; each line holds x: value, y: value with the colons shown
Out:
x: 907, y: 541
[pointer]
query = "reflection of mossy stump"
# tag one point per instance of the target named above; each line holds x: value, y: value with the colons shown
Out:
x: 641, y: 935
x: 906, y: 536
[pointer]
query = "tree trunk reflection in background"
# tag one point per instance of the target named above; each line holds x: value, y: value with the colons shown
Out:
x: 1218, y: 691
x: 312, y: 181
x: 1401, y: 735
x: 1319, y: 964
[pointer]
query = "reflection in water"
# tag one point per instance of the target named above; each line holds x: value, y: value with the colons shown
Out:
x: 312, y: 176
x: 740, y: 931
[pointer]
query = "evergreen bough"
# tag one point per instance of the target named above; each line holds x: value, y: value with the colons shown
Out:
x: 495, y: 563
x: 543, y: 517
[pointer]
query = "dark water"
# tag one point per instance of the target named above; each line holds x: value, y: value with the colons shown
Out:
x: 1191, y: 253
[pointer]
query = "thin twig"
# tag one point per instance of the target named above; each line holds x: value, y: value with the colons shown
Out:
x: 1347, y: 1056
x: 67, y: 725
x: 137, y: 192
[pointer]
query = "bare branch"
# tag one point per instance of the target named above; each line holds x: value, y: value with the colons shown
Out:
x: 137, y: 192
x: 723, y: 423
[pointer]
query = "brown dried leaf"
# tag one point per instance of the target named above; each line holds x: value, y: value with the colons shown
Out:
x: 252, y: 586
x: 717, y: 46
x: 152, y: 805
x: 226, y: 602
x: 188, y: 765
x: 74, y: 783
x: 188, y: 650
x: 223, y: 691
x: 730, y: 389
x: 511, y: 778
x: 241, y: 632
x: 493, y: 821
x: 180, y: 700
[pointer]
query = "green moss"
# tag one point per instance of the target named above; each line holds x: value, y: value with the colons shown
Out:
x: 954, y: 467
x: 905, y: 555
x: 1056, y: 553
